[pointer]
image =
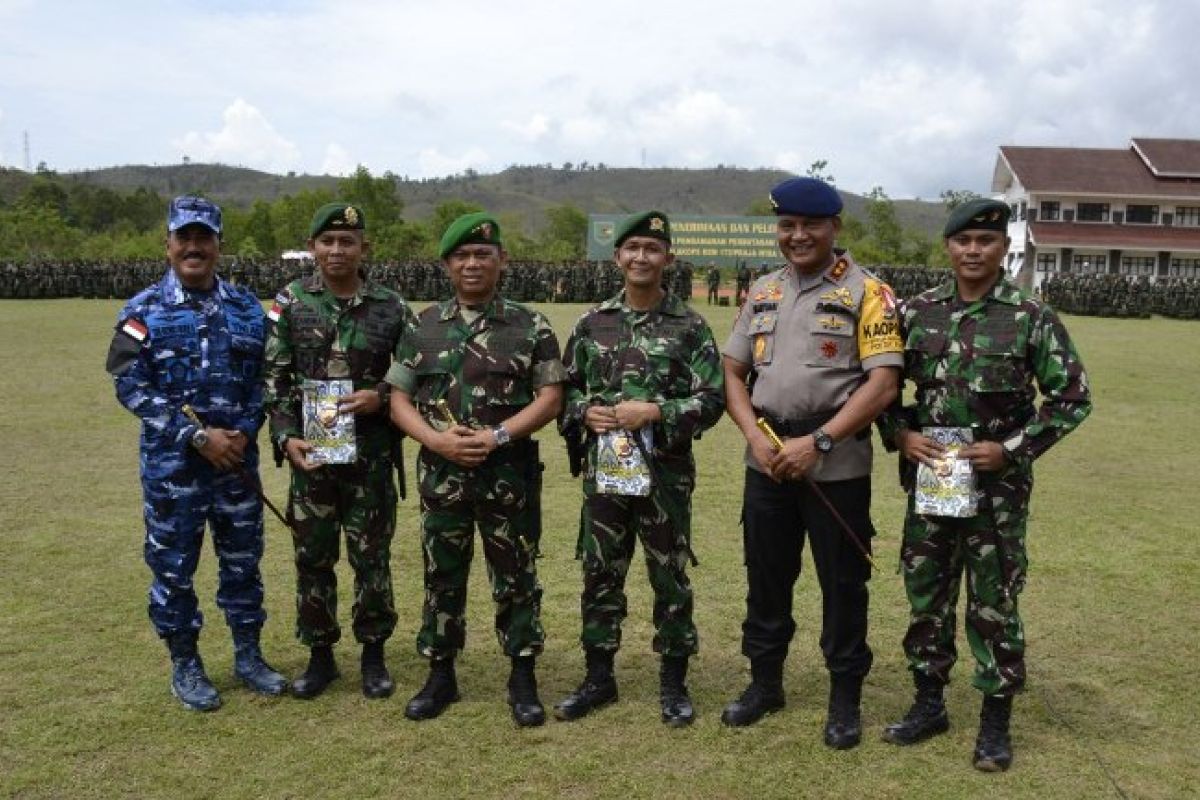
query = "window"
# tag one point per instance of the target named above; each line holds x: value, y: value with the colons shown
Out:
x: 1088, y: 264
x: 1046, y: 262
x: 1137, y: 265
x: 1092, y: 212
x: 1146, y: 215
x: 1187, y: 215
x: 1049, y: 210
x: 1185, y: 267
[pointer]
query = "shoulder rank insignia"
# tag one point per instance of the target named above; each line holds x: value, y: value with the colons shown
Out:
x: 839, y: 269
x: 839, y: 295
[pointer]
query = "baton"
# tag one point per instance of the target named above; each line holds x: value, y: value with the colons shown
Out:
x: 444, y: 408
x: 246, y: 477
x: 777, y: 443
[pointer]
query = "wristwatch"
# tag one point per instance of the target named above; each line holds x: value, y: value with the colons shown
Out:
x: 199, y: 439
x: 822, y: 440
x: 502, y: 435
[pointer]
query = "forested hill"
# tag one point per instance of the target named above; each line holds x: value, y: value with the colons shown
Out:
x: 523, y: 190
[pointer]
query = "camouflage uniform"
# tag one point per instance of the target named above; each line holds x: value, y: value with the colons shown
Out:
x: 665, y: 356
x: 316, y: 336
x: 974, y: 365
x: 172, y: 347
x: 486, y: 369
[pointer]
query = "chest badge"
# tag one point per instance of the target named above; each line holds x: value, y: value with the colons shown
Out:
x: 829, y: 348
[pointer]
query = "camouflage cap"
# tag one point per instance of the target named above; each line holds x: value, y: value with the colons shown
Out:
x: 192, y: 210
x: 339, y: 216
x: 479, y: 227
x: 648, y: 223
x: 981, y: 213
x: 806, y: 197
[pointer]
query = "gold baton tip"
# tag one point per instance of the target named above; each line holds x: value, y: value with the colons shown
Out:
x: 766, y: 428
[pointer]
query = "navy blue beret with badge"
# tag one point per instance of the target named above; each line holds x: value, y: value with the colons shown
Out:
x: 806, y: 197
x: 191, y: 210
x: 980, y: 213
x: 647, y: 223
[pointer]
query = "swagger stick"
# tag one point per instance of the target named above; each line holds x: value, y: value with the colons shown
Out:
x: 246, y: 477
x: 769, y: 432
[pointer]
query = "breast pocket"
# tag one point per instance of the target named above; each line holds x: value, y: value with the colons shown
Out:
x: 831, y: 341
x: 509, y: 362
x: 997, y: 372
x: 923, y: 353
x: 177, y: 364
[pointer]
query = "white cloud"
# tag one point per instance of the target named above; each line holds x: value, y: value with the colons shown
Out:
x: 531, y: 131
x: 247, y: 138
x: 337, y: 161
x: 432, y: 163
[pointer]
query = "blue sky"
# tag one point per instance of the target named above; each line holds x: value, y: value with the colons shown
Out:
x: 914, y: 97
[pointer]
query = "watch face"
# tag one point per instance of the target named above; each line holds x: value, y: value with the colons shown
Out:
x: 823, y: 441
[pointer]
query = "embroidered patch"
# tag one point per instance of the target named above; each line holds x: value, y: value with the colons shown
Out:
x: 135, y: 328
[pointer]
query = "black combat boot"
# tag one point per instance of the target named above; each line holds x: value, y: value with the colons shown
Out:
x: 376, y: 680
x: 763, y: 696
x: 677, y: 708
x: 250, y: 666
x: 439, y: 691
x: 527, y: 709
x: 993, y: 747
x: 321, y: 671
x: 926, y: 718
x: 189, y: 684
x: 599, y: 687
x: 843, y: 725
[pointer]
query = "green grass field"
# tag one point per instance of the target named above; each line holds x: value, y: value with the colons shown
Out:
x: 1112, y: 610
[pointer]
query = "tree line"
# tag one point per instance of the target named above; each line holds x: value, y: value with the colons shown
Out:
x: 56, y: 218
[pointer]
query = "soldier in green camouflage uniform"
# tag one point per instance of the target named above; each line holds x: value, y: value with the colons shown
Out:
x: 336, y: 324
x: 975, y: 347
x: 480, y: 375
x: 639, y: 360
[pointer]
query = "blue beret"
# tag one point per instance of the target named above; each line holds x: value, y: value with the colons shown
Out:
x: 806, y: 197
x: 188, y: 209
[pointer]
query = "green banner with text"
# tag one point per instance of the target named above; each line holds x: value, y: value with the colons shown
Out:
x: 724, y: 241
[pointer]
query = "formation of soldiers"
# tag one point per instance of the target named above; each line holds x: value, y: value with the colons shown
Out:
x: 524, y: 281
x: 1123, y: 296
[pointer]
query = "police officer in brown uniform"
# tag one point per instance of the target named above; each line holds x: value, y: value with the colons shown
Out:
x: 816, y: 352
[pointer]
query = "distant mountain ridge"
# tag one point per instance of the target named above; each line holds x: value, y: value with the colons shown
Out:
x: 523, y: 190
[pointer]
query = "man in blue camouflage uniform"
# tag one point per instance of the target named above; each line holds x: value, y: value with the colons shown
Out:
x: 193, y: 340
x: 645, y: 364
x: 975, y: 347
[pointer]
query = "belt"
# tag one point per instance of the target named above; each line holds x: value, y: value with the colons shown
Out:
x: 803, y: 426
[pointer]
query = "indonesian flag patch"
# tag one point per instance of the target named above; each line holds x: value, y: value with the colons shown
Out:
x: 281, y: 301
x: 135, y: 329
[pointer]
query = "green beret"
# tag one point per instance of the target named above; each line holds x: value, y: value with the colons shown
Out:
x: 477, y: 228
x: 340, y: 216
x: 980, y: 213
x: 648, y: 223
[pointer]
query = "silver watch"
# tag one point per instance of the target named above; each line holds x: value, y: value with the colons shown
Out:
x: 822, y: 440
x: 199, y: 439
x: 502, y: 435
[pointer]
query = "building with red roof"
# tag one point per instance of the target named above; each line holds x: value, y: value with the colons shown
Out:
x: 1132, y: 211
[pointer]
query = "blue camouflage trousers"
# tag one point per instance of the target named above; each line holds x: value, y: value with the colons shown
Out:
x: 181, y: 493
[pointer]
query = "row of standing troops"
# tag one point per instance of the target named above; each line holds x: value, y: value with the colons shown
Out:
x: 524, y: 281
x: 815, y: 353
